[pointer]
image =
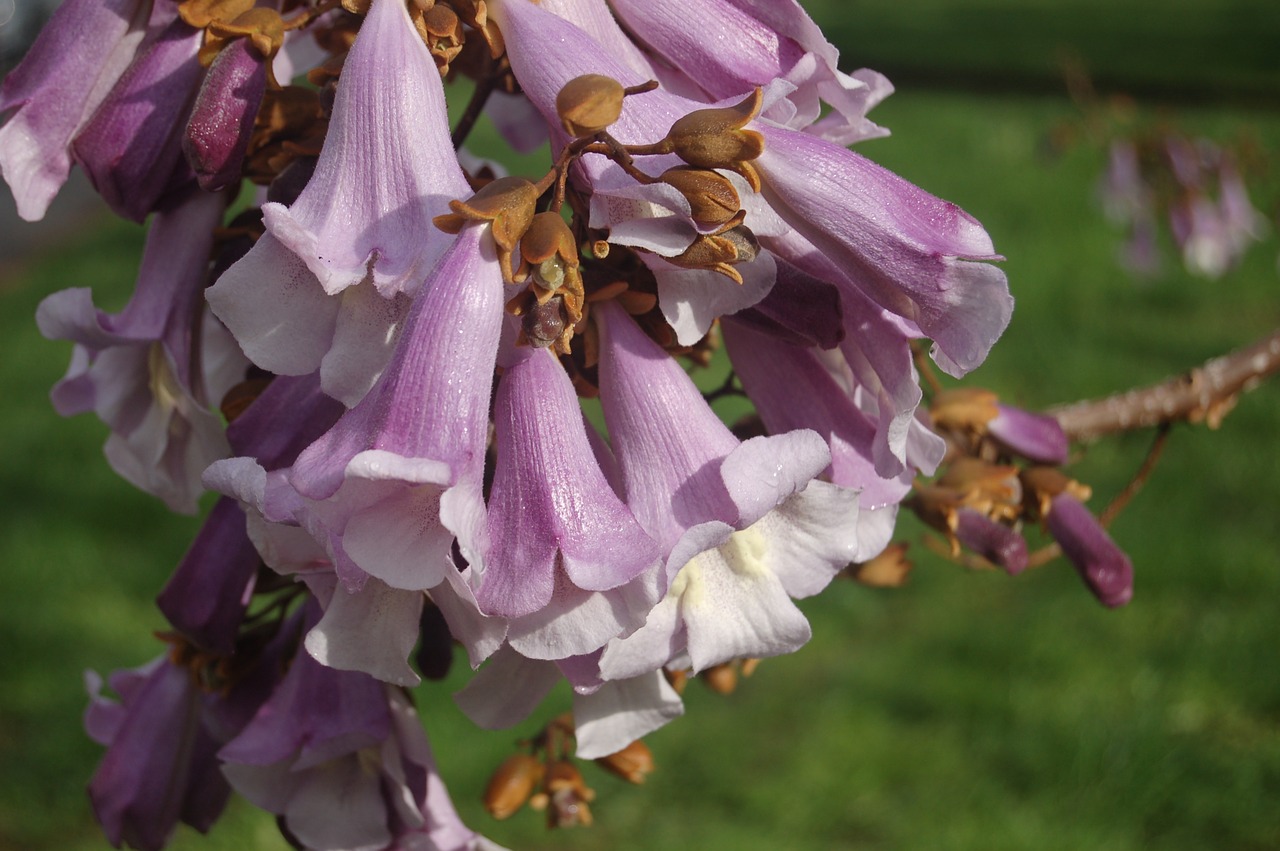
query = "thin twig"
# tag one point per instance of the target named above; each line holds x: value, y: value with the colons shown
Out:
x: 1205, y: 394
x: 484, y: 87
x: 1112, y: 511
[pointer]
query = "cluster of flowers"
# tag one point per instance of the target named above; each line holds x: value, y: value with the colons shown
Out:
x: 379, y: 366
x: 1196, y: 185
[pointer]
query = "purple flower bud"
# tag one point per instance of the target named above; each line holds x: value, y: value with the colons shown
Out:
x: 1035, y: 437
x: 130, y: 149
x: 221, y: 122
x: 1104, y: 567
x: 993, y: 541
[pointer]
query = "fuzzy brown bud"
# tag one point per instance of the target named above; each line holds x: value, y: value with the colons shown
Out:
x: 633, y: 763
x: 441, y: 30
x: 991, y: 489
x: 715, y: 138
x: 512, y: 784
x: 201, y: 13
x: 263, y: 27
x: 722, y: 679
x: 887, y: 570
x: 569, y: 796
x: 719, y: 252
x: 588, y: 104
x: 1041, y: 484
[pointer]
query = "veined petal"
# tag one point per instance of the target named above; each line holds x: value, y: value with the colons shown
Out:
x: 80, y: 54
x: 551, y: 507
x: 387, y: 167
x: 619, y: 712
x: 904, y: 248
x: 668, y: 442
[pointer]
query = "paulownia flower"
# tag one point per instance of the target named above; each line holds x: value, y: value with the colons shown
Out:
x: 567, y: 562
x: 152, y: 371
x: 73, y: 64
x: 744, y: 525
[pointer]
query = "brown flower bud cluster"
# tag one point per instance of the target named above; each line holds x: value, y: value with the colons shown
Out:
x: 548, y: 779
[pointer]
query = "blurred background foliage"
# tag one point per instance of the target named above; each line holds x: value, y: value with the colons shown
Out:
x: 963, y: 711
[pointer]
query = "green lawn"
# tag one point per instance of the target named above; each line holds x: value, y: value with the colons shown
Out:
x: 965, y: 711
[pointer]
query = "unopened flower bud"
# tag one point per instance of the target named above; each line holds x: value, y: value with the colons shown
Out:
x: 712, y: 199
x: 715, y: 138
x: 543, y: 324
x: 222, y: 120
x: 994, y: 541
x: 512, y: 784
x: 1103, y: 566
x: 722, y: 679
x: 1036, y: 437
x: 889, y: 569
x: 588, y: 104
x: 719, y: 252
x: 441, y: 30
x: 633, y: 763
x: 547, y: 249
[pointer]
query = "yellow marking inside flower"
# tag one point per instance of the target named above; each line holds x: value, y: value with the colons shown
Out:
x: 165, y: 388
x: 743, y: 553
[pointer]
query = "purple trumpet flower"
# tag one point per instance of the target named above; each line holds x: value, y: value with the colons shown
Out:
x: 793, y: 390
x: 741, y: 44
x: 739, y: 521
x: 76, y: 60
x: 908, y: 251
x: 386, y: 169
x: 389, y: 487
x: 160, y: 767
x: 152, y: 371
x: 307, y: 755
x: 131, y: 148
x: 567, y: 561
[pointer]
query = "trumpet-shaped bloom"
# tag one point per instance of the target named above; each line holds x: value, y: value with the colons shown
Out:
x: 566, y: 556
x: 79, y: 56
x: 745, y: 525
x: 152, y: 371
x: 908, y: 251
x: 390, y: 486
x: 387, y: 167
x: 737, y: 45
x: 131, y: 148
x: 160, y: 766
x: 344, y: 760
x: 792, y: 390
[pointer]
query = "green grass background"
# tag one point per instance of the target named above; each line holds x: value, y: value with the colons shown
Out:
x: 964, y: 711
